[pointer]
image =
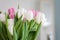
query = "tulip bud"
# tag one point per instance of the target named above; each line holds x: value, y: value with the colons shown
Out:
x: 11, y: 13
x: 34, y: 13
x: 29, y: 15
x: 2, y: 17
x: 21, y: 12
x: 40, y: 18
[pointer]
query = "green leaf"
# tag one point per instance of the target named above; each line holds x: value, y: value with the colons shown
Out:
x: 34, y: 34
x: 2, y: 36
x: 18, y: 6
x: 34, y: 28
x: 31, y: 24
x: 19, y: 31
x: 16, y: 18
x: 17, y: 23
x: 26, y: 30
x: 4, y: 31
x: 6, y: 16
x: 0, y: 25
x: 31, y: 35
x: 9, y: 35
x: 1, y: 33
x: 15, y: 35
x: 23, y: 32
x: 38, y: 31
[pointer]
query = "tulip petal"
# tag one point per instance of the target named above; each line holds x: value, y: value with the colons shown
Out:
x: 2, y: 17
x: 10, y: 25
x: 29, y: 15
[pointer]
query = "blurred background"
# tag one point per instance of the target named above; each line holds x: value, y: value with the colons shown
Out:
x: 46, y: 6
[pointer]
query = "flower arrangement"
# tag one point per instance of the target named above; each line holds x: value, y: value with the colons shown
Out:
x: 21, y: 25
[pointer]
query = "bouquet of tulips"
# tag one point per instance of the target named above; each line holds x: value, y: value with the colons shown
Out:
x: 21, y: 25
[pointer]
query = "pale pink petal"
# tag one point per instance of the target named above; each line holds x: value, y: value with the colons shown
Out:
x: 35, y: 13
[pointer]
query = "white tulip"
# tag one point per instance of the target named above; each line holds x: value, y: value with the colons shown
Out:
x: 10, y: 25
x: 28, y: 15
x: 21, y: 13
x: 2, y: 17
x: 40, y: 18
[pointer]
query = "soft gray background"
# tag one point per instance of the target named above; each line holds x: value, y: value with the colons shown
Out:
x: 28, y: 4
x: 57, y: 19
x: 47, y: 6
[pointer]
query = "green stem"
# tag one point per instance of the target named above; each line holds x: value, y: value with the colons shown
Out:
x: 37, y: 32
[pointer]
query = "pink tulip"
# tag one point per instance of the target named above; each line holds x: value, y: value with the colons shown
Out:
x: 35, y: 13
x: 11, y: 13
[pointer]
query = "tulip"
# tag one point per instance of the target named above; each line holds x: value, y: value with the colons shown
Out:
x: 11, y: 13
x: 21, y: 12
x: 40, y: 18
x: 29, y: 15
x: 2, y: 17
x: 11, y: 20
x: 34, y: 13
